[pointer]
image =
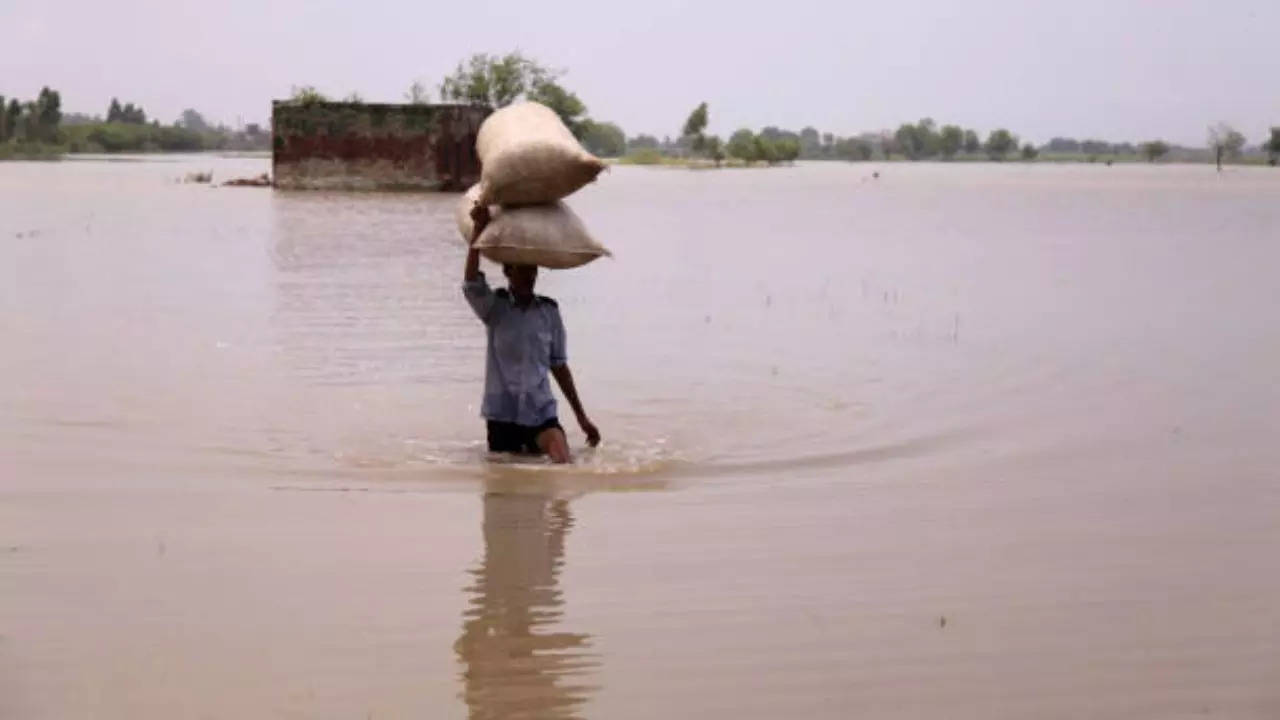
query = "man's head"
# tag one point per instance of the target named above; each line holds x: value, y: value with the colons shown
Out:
x: 521, y: 278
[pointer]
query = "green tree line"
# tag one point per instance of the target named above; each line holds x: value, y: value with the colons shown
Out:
x: 924, y: 140
x: 37, y: 125
x: 32, y: 122
x: 37, y: 128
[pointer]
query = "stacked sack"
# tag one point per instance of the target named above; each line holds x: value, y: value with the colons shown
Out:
x: 529, y: 162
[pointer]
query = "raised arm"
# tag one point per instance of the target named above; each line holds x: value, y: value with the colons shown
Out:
x: 480, y: 220
x: 474, y: 286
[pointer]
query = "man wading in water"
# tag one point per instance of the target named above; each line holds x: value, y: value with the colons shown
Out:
x: 526, y: 339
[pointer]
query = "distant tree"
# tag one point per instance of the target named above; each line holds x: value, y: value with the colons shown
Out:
x: 1000, y: 143
x: 971, y: 142
x: 494, y: 81
x: 918, y: 141
x: 18, y: 120
x: 1029, y: 152
x: 889, y: 144
x: 513, y: 74
x: 192, y: 120
x: 39, y: 120
x: 907, y: 141
x: 765, y: 149
x: 642, y: 142
x: 927, y: 137
x: 715, y: 149
x: 696, y: 123
x: 828, y: 141
x: 498, y: 81
x: 28, y: 125
x: 49, y: 111
x: 133, y: 115
x: 1063, y: 145
x: 742, y: 145
x: 810, y: 143
x: 852, y: 149
x: 571, y: 110
x: 1096, y: 147
x: 1225, y: 140
x: 13, y: 115
x: 1234, y: 145
x: 604, y: 139
x: 306, y: 94
x: 786, y: 149
x: 1154, y: 149
x: 1272, y: 146
x: 775, y: 134
x: 694, y: 126
x: 950, y: 140
x: 417, y: 94
x: 353, y: 97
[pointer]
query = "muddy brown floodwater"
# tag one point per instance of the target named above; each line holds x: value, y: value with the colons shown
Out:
x: 972, y: 441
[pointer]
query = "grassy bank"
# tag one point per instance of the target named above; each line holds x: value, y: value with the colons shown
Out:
x: 31, y: 151
x: 118, y: 137
x: 651, y: 158
x: 113, y: 137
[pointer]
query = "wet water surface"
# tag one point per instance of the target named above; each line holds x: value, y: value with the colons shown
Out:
x: 963, y: 441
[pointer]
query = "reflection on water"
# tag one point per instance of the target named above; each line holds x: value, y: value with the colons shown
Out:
x: 517, y: 664
x: 1037, y: 400
x: 356, y: 302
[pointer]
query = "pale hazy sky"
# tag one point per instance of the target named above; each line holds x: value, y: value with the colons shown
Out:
x: 1115, y: 69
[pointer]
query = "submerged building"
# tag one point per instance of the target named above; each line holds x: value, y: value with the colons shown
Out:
x: 364, y: 146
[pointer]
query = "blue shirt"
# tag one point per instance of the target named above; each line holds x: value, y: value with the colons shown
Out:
x: 524, y: 343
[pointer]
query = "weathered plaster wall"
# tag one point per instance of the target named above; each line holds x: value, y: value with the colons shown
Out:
x: 359, y: 146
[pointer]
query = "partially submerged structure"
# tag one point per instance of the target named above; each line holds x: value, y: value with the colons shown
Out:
x: 364, y: 146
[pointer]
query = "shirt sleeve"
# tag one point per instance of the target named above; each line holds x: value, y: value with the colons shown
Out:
x: 480, y: 297
x: 559, y: 356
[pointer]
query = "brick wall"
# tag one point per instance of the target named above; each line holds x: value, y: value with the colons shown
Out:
x: 360, y: 146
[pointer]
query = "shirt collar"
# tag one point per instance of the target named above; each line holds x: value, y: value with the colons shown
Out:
x: 533, y: 301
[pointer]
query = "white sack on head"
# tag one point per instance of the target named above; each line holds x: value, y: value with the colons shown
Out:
x: 528, y: 156
x: 550, y: 236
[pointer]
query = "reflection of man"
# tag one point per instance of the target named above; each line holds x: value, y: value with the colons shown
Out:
x: 512, y: 669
